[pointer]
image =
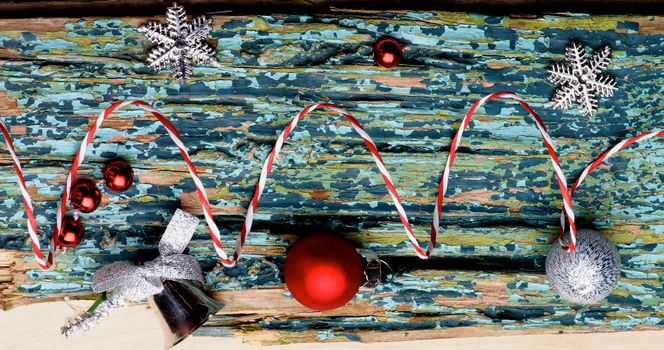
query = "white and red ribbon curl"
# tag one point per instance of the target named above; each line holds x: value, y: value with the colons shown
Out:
x: 27, y: 201
x: 562, y: 182
x: 424, y: 254
x: 269, y: 162
x: 606, y: 155
x: 172, y: 132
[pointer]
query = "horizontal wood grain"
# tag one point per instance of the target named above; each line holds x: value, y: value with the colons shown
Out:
x: 500, y: 215
x: 135, y: 327
x: 72, y: 8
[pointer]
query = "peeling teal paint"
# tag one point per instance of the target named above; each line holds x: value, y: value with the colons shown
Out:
x: 271, y: 67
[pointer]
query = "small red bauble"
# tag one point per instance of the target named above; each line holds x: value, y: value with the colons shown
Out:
x: 85, y: 196
x: 71, y: 233
x: 323, y: 271
x: 387, y: 52
x: 118, y: 175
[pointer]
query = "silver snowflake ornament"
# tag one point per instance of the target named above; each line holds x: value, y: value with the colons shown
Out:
x: 180, y: 44
x: 581, y: 80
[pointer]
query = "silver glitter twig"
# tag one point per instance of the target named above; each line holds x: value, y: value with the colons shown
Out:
x: 88, y: 320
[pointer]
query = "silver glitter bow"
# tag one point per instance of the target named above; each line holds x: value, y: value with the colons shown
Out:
x: 131, y: 282
x: 139, y: 282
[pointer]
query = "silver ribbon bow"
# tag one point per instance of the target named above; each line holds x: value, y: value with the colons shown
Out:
x: 132, y: 282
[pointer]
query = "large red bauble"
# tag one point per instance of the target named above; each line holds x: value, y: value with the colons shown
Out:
x: 323, y: 271
x: 85, y: 196
x: 387, y: 52
x: 71, y: 233
x: 118, y: 175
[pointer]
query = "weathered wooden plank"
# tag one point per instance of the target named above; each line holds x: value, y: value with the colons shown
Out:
x: 434, y: 299
x: 56, y: 75
x: 50, y: 8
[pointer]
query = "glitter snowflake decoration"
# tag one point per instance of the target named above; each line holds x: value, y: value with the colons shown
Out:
x: 180, y: 44
x: 581, y: 80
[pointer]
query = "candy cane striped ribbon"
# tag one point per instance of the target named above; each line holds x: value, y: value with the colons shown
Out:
x: 80, y: 155
x: 269, y: 162
x: 424, y: 254
x: 606, y: 155
x: 562, y: 182
x: 29, y: 210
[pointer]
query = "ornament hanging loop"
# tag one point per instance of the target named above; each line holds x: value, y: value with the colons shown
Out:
x: 592, y: 272
x: 373, y: 149
x: 548, y: 144
x: 373, y: 270
x: 564, y: 216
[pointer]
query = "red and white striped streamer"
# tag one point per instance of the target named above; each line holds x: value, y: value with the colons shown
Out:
x: 269, y: 162
x: 29, y: 210
x: 424, y: 254
x: 606, y: 155
x: 562, y: 182
x: 80, y: 155
x: 267, y: 168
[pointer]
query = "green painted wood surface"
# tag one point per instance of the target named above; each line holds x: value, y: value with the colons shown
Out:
x: 503, y: 204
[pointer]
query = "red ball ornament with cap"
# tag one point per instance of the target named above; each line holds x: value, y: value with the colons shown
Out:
x: 85, y: 196
x: 71, y: 233
x: 387, y: 52
x: 118, y: 176
x: 323, y: 271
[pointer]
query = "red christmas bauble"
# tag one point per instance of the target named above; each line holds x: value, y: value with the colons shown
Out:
x: 323, y: 271
x: 71, y: 233
x: 387, y: 52
x: 118, y: 175
x: 85, y: 196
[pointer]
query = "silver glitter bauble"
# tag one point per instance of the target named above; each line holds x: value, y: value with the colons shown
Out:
x: 588, y: 274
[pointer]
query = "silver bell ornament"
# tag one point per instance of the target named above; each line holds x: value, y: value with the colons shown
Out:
x: 589, y: 273
x: 182, y: 307
x: 171, y: 282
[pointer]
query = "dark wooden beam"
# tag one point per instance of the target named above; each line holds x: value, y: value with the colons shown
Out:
x: 73, y: 8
